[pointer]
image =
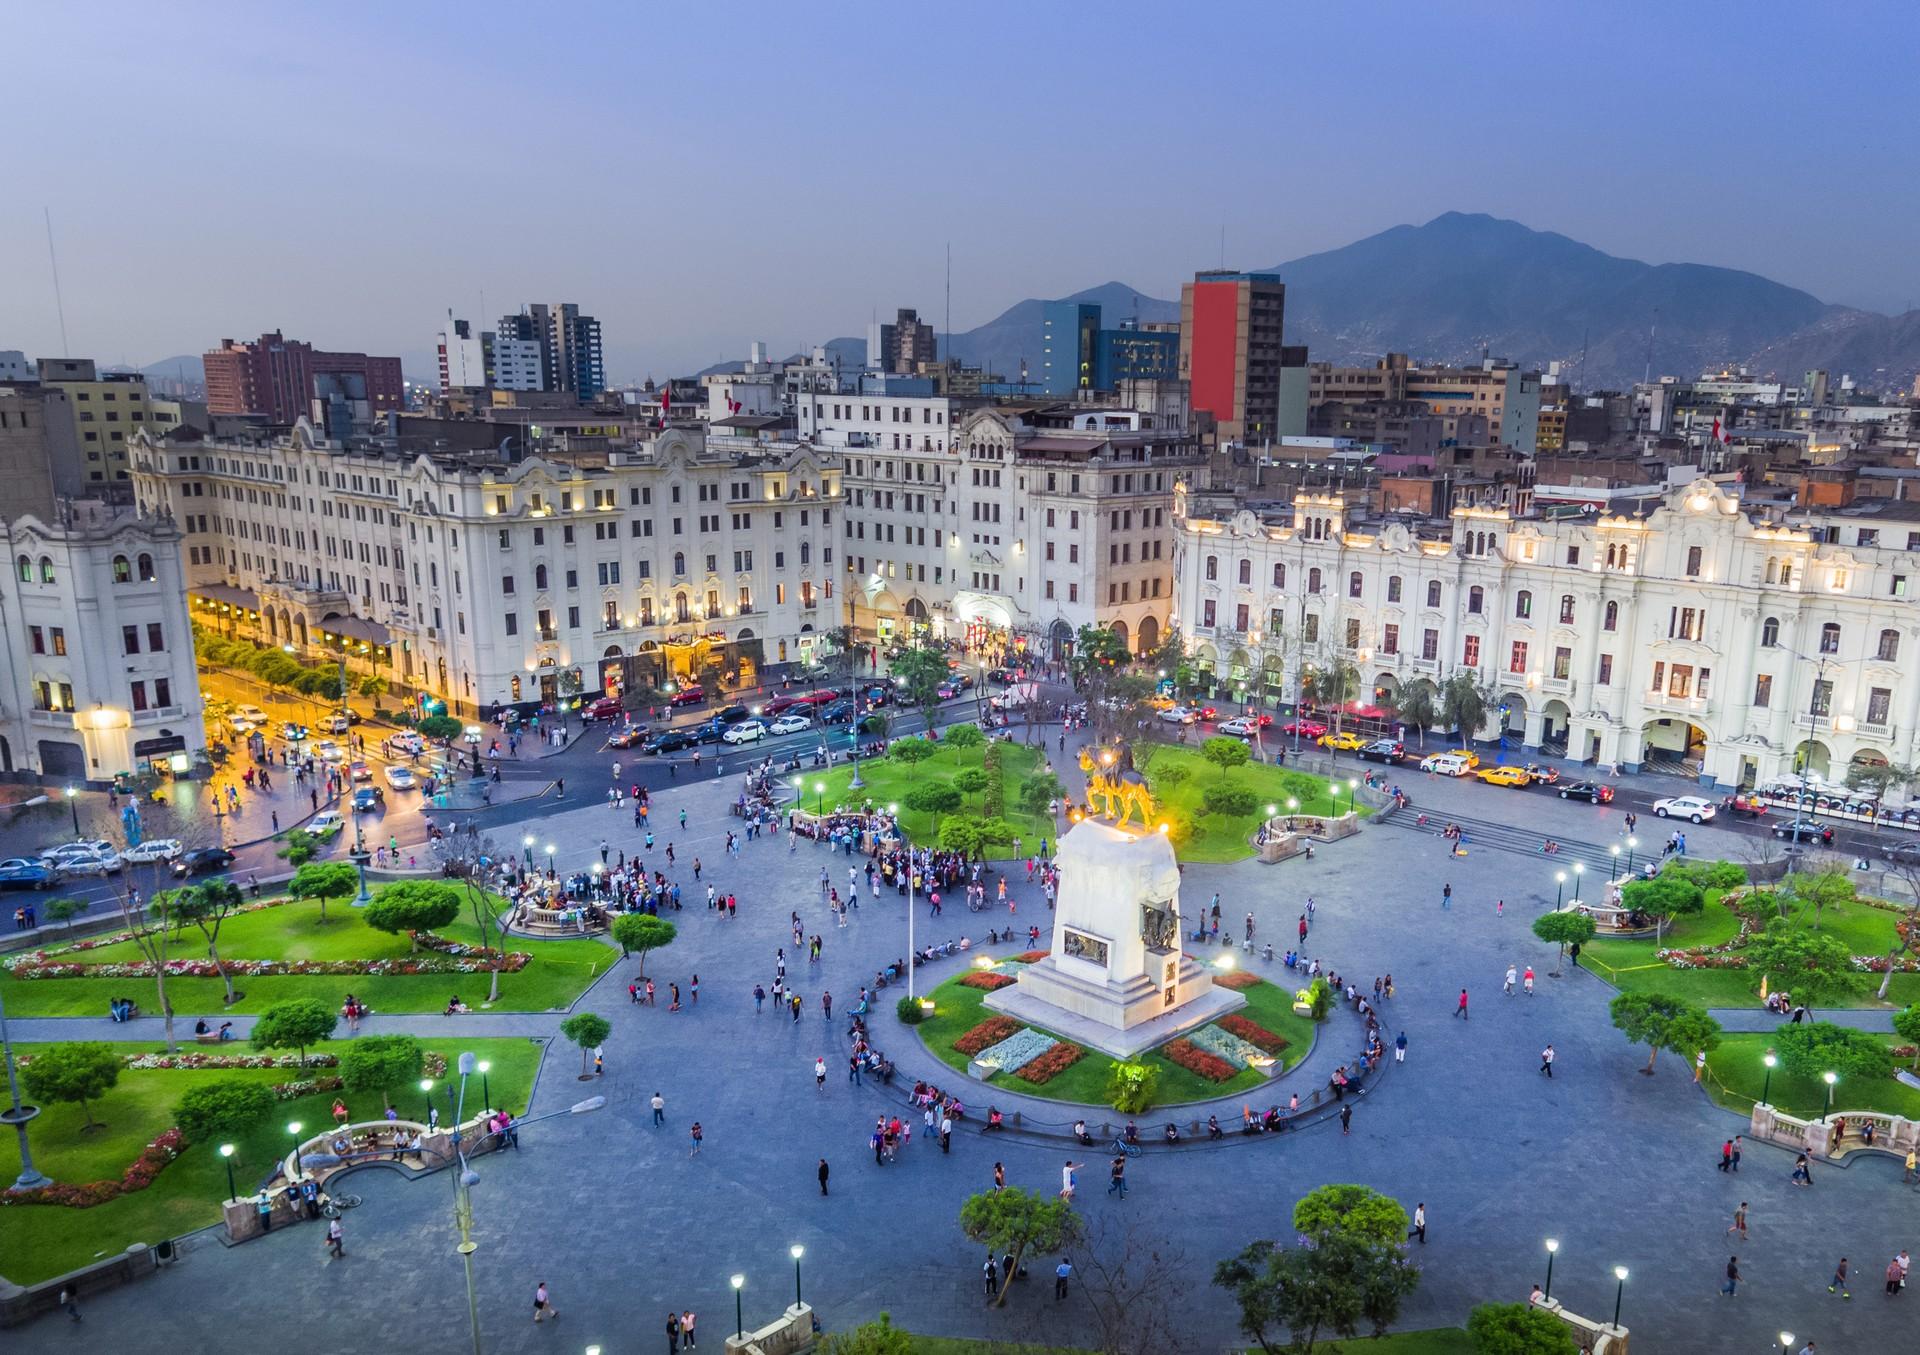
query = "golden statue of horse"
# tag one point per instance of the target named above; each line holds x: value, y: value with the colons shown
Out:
x: 1113, y: 783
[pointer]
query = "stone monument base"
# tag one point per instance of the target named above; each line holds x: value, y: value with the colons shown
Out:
x: 1120, y: 1019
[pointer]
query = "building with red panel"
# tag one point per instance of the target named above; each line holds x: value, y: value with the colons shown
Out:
x: 1230, y: 350
x: 273, y: 376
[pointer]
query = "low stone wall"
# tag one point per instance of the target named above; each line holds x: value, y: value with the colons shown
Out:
x: 1891, y: 1133
x: 791, y: 1331
x: 1289, y: 834
x: 22, y: 1304
x: 1593, y: 1338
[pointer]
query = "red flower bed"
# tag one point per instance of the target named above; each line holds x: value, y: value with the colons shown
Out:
x: 1237, y: 978
x: 987, y: 979
x: 1063, y: 1055
x: 988, y: 1033
x: 1032, y: 956
x: 1194, y: 1059
x: 1253, y: 1033
x: 139, y: 1175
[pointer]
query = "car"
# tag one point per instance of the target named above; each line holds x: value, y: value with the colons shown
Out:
x: 253, y: 714
x: 401, y: 778
x: 825, y: 696
x: 668, y: 741
x: 876, y: 697
x: 1306, y: 729
x: 1904, y: 854
x: 606, y: 708
x: 747, y: 731
x: 786, y: 701
x: 17, y: 872
x: 836, y: 712
x: 946, y: 691
x: 1002, y: 677
x: 369, y: 798
x: 1239, y: 726
x: 359, y: 771
x: 239, y: 724
x: 1593, y: 792
x: 1179, y: 715
x: 627, y: 736
x: 409, y: 741
x: 1162, y: 702
x: 326, y: 823
x: 732, y: 715
x: 153, y: 849
x: 1805, y: 830
x: 690, y: 695
x: 1383, y: 750
x: 292, y: 732
x: 329, y: 751
x: 1345, y: 741
x: 83, y: 847
x: 87, y: 863
x: 710, y: 731
x: 1542, y: 774
x: 201, y: 861
x: 336, y: 723
x: 790, y: 724
x: 1207, y: 713
x: 1692, y: 808
x: 472, y: 735
x: 1446, y: 764
x: 1503, y: 776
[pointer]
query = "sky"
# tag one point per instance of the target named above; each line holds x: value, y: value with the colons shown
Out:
x: 701, y: 177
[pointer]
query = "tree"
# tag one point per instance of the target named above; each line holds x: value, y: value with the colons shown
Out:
x: 379, y: 1063
x: 843, y: 649
x: 441, y: 728
x: 207, y: 906
x: 81, y: 1072
x: 1820, y: 890
x: 1225, y: 753
x: 1419, y: 707
x: 1357, y: 1212
x: 910, y: 752
x: 920, y: 671
x: 1336, y: 1284
x: 1816, y: 1047
x: 972, y: 837
x: 937, y: 797
x: 373, y: 687
x: 298, y: 1023
x: 1708, y: 875
x: 589, y: 1030
x: 153, y: 931
x: 1463, y: 705
x: 1662, y: 1022
x: 964, y: 736
x: 1666, y: 896
x: 1906, y: 1024
x: 1017, y: 1220
x: 1234, y: 802
x: 971, y: 780
x: 227, y: 1108
x: 301, y: 847
x: 1563, y: 929
x: 466, y: 854
x: 1813, y: 967
x: 413, y: 906
x: 1331, y: 686
x: 1518, y: 1329
x: 1097, y: 652
x: 63, y: 910
x: 642, y: 932
x: 870, y: 1338
x: 323, y: 880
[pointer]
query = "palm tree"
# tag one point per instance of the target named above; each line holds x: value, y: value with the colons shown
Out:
x: 1464, y: 705
x: 1417, y: 705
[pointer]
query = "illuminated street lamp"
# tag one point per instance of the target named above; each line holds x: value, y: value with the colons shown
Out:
x: 1620, y: 1274
x: 1615, y: 849
x: 1578, y: 870
x: 226, y: 1154
x: 1829, y: 1078
x: 426, y: 1091
x: 1632, y: 842
x: 549, y: 858
x: 1353, y: 792
x: 1559, y: 888
x: 796, y: 1251
x: 819, y: 789
x: 1766, y: 1088
x: 486, y: 1091
x: 74, y: 805
x: 739, y: 1322
x: 526, y: 844
x: 1553, y: 1245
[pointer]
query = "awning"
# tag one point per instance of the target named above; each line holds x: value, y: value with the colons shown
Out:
x: 355, y: 628
x: 226, y: 592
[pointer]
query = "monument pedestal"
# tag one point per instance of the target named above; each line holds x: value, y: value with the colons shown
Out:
x: 1121, y: 1023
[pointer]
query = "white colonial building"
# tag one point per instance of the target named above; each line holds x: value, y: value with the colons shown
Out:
x: 99, y: 654
x: 1735, y: 644
x: 482, y: 582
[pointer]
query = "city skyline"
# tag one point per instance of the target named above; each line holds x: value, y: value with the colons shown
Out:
x: 671, y: 216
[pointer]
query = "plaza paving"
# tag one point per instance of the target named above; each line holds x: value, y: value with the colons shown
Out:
x: 622, y: 1223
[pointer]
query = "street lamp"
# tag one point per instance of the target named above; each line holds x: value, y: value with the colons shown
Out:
x: 486, y: 1091
x: 1620, y: 1274
x: 739, y: 1322
x: 549, y: 858
x: 1553, y: 1245
x: 1353, y: 792
x: 1766, y: 1089
x: 1829, y: 1078
x: 74, y: 805
x: 795, y: 1251
x: 226, y: 1153
x: 1559, y: 888
x: 293, y: 1128
x: 526, y: 845
x: 1615, y: 849
x: 819, y: 789
x: 1632, y: 842
x: 1579, y: 869
x: 426, y: 1091
x: 19, y: 1116
x: 1786, y: 1340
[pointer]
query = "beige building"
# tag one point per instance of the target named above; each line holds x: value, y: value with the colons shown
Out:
x: 106, y: 409
x: 1508, y: 398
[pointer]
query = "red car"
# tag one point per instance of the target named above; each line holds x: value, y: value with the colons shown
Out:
x: 691, y: 695
x: 1306, y: 729
x: 606, y: 708
x: 780, y: 704
x: 1205, y: 712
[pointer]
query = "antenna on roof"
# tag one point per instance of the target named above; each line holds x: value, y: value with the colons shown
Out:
x: 53, y: 264
x: 949, y: 348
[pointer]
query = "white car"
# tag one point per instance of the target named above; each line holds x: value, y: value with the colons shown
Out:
x: 336, y: 724
x: 87, y: 863
x: 791, y: 724
x: 1446, y: 764
x: 253, y: 713
x: 326, y: 823
x: 409, y: 741
x: 747, y: 731
x: 329, y: 751
x: 85, y: 847
x: 1240, y: 726
x: 239, y: 723
x: 1690, y: 807
x: 1179, y: 715
x: 400, y: 778
x: 153, y: 849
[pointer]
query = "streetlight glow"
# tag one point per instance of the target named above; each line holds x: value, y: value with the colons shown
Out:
x: 1553, y: 1245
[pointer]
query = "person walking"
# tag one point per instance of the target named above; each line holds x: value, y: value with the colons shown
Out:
x: 1546, y: 1062
x: 1346, y: 1117
x: 1461, y: 1010
x: 1699, y: 1065
x: 826, y: 1005
x: 1117, y: 1177
x: 1446, y: 896
x: 1896, y: 1276
x: 1913, y: 1164
x: 336, y: 1239
x: 1513, y: 976
x: 543, y: 1304
x: 70, y: 1299
x: 1839, y: 1283
x: 1739, y: 1224
x: 1739, y: 1143
x: 990, y: 1274
x: 1732, y: 1286
x: 696, y: 1135
x: 822, y: 1174
x: 1061, y: 1274
x: 1526, y: 980
x: 659, y: 1104
x: 820, y: 1074
x: 673, y: 1333
x: 946, y: 1132
x: 686, y: 1328
x: 999, y: 1177
x: 1420, y: 1223
x: 1400, y: 1047
x: 1066, y: 1179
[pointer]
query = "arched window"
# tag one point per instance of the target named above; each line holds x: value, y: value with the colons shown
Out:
x: 1279, y: 576
x: 1476, y: 596
x: 806, y: 552
x: 1566, y: 609
x: 679, y: 565
x: 1786, y: 573
x: 24, y: 568
x: 1213, y: 567
x: 1830, y: 638
x: 1355, y: 584
x: 122, y: 569
x: 46, y: 569
x: 1393, y: 588
x: 539, y: 576
x: 1246, y: 571
x: 146, y: 569
x: 1523, y: 604
x: 1433, y: 593
x: 1770, y: 633
x: 1611, y: 619
x: 1693, y: 562
x: 680, y: 612
x: 1889, y: 646
x: 1773, y: 570
x: 1313, y: 580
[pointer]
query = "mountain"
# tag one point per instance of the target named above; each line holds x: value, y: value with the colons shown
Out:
x: 1013, y: 336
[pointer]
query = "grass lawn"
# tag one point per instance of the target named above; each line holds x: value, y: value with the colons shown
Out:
x: 39, y: 1241
x: 1631, y: 964
x: 1739, y: 1076
x: 888, y: 782
x: 560, y: 971
x: 959, y: 1009
x: 1434, y: 1341
x: 1213, y: 838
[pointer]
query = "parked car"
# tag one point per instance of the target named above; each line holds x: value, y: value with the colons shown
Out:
x: 786, y: 701
x: 337, y: 723
x: 292, y: 732
x: 83, y: 847
x: 1542, y: 774
x: 710, y: 731
x: 1805, y: 830
x: 627, y: 736
x: 1690, y: 807
x: 732, y: 715
x: 253, y: 714
x: 746, y: 731
x: 668, y: 741
x: 1239, y: 727
x: 409, y: 741
x: 690, y: 695
x: 836, y: 712
x: 153, y: 849
x: 606, y: 708
x: 1593, y: 792
x: 1176, y: 715
x: 19, y: 873
x: 202, y: 861
x: 1306, y: 729
x: 1345, y: 741
x: 1503, y: 776
x: 99, y: 862
x: 1383, y: 750
x: 369, y: 798
x: 401, y: 778
x: 1446, y: 764
x: 790, y: 724
x: 326, y: 823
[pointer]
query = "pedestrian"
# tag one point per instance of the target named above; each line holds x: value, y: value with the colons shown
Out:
x: 990, y: 1274
x: 695, y: 1135
x: 543, y: 1304
x: 826, y: 1005
x: 659, y: 1104
x: 822, y: 1174
x: 1400, y: 1047
x: 1739, y: 1224
x: 1066, y: 1179
x: 759, y: 998
x: 1526, y: 980
x: 1420, y: 1223
x: 1461, y: 1010
x: 1895, y: 1278
x: 1913, y: 1162
x: 1446, y: 896
x: 946, y: 1132
x: 820, y: 1074
x: 1346, y: 1118
x: 673, y: 1333
x: 999, y: 1177
x: 1513, y: 976
x: 336, y: 1239
x: 1738, y: 1144
x: 599, y: 1063
x: 1726, y: 1155
x: 686, y: 1328
x: 1732, y: 1286
x: 1546, y: 1062
x: 1117, y: 1177
x: 1061, y: 1274
x: 1839, y: 1283
x: 1699, y: 1065
x: 70, y: 1299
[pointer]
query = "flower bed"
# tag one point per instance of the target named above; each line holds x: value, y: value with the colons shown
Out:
x: 987, y: 979
x: 29, y: 967
x: 1064, y: 1054
x: 148, y: 1062
x: 1032, y: 956
x: 293, y: 1091
x: 1197, y: 1060
x: 1231, y: 1048
x: 1237, y: 978
x: 989, y: 1032
x: 139, y: 1175
x: 115, y: 938
x: 1253, y: 1033
x: 1017, y: 1050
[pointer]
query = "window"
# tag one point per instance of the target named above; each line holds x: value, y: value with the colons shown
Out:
x: 1213, y: 567
x: 1393, y: 588
x: 1604, y: 677
x: 1822, y: 702
x: 1610, y: 619
x: 1770, y: 633
x: 1879, y: 704
x: 1354, y: 584
x: 506, y: 583
x: 1659, y: 678
x: 1562, y: 662
x: 1517, y: 659
x: 146, y: 569
x: 46, y: 569
x: 1830, y: 638
x: 1475, y: 597
x: 1279, y: 576
x: 1430, y: 644
x: 1311, y: 631
x: 129, y: 639
x: 1246, y: 571
x: 1566, y: 609
x: 23, y: 567
x: 1470, y: 651
x: 1763, y: 691
x: 1433, y: 593
x: 122, y: 569
x: 1240, y: 618
x: 1680, y: 682
x: 679, y: 564
x: 163, y: 691
x: 59, y: 638
x: 38, y: 639
x: 1313, y: 580
x: 1390, y: 639
x: 1523, y: 604
x: 1889, y: 649
x: 1573, y: 555
x: 1353, y: 633
x: 1693, y: 562
x: 513, y: 623
x: 1207, y: 613
x: 539, y: 577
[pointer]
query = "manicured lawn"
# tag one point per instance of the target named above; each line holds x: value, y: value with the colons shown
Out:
x: 560, y: 971
x: 959, y: 1009
x: 888, y: 782
x: 39, y: 1241
x: 1740, y: 1075
x: 1214, y: 838
x: 1434, y: 1341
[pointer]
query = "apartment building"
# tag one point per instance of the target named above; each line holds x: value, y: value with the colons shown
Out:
x: 107, y: 407
x: 1501, y: 393
x: 273, y: 377
x: 479, y: 582
x: 1727, y: 643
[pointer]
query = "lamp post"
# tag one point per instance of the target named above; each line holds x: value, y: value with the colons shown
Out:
x: 226, y: 1153
x: 739, y: 1322
x: 293, y: 1129
x: 74, y: 805
x: 795, y: 1251
x: 1353, y: 793
x: 1615, y: 849
x: 1559, y: 888
x: 549, y: 858
x: 1829, y: 1078
x: 1620, y: 1274
x: 1786, y: 1340
x: 1553, y: 1245
x: 526, y: 845
x: 853, y: 745
x: 19, y: 1116
x: 426, y: 1095
x: 819, y: 789
x: 486, y: 1091
x: 1766, y: 1088
x: 1578, y: 870
x: 893, y: 812
x: 1632, y: 842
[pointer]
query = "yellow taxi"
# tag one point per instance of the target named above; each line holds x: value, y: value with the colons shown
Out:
x: 1504, y: 776
x: 1162, y: 703
x: 1345, y: 741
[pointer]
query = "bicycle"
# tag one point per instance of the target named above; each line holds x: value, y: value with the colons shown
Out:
x: 337, y: 1205
x: 1121, y: 1148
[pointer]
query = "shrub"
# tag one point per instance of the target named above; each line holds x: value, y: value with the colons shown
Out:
x: 1301, y: 787
x: 987, y: 979
x: 988, y: 1033
x: 1063, y: 1055
x: 1171, y: 776
x: 1132, y: 1087
x: 1253, y: 1033
x: 909, y: 1010
x: 1194, y: 1059
x: 1320, y: 998
x: 1234, y: 802
x: 226, y: 1107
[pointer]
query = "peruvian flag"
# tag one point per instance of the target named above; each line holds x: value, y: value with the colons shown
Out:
x: 1719, y: 435
x: 733, y: 405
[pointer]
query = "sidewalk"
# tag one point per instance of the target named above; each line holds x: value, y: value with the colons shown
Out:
x: 1760, y: 1021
